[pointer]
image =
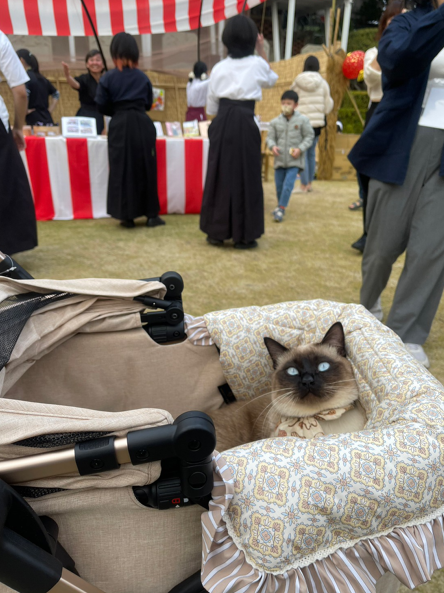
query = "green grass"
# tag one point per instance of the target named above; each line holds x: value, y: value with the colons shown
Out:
x: 306, y: 257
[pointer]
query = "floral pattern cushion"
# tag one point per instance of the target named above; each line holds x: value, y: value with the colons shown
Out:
x: 296, y: 501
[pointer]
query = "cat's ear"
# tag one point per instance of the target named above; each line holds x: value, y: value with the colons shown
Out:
x: 335, y: 337
x: 275, y: 350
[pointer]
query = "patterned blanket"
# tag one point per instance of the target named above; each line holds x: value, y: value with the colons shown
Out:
x: 293, y: 501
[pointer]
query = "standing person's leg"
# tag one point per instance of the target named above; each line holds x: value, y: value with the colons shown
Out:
x: 388, y: 217
x: 279, y: 178
x: 421, y: 284
x: 311, y: 152
x: 305, y: 180
x: 289, y: 179
x: 363, y: 182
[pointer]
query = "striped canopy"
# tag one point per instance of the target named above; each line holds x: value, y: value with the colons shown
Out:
x: 67, y: 17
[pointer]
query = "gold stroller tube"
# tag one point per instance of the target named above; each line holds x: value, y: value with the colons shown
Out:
x: 71, y: 583
x: 54, y: 463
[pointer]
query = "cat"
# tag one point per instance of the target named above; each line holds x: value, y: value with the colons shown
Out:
x: 307, y: 380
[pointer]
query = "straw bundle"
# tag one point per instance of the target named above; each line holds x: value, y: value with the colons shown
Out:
x: 338, y: 86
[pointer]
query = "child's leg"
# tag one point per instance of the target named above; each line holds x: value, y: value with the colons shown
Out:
x: 290, y: 178
x: 279, y: 178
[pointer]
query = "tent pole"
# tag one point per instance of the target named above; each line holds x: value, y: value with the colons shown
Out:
x: 95, y: 33
x: 290, y: 29
x: 275, y: 25
x: 72, y: 48
x: 346, y: 24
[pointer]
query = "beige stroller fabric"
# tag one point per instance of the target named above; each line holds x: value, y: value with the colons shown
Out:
x: 85, y: 364
x: 90, y: 351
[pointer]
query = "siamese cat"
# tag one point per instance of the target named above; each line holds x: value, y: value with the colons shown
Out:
x: 309, y: 383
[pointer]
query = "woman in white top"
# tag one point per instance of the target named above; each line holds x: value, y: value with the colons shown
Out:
x: 373, y: 81
x: 197, y: 89
x: 315, y: 102
x: 233, y: 201
x: 18, y: 231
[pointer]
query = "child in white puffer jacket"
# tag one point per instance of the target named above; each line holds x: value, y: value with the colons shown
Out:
x: 315, y: 102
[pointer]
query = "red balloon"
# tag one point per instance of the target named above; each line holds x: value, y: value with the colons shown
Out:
x: 353, y: 64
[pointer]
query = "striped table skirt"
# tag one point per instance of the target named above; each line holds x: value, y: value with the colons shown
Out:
x: 69, y: 176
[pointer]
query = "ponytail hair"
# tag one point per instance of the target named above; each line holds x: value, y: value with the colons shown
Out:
x: 31, y: 60
x: 199, y: 72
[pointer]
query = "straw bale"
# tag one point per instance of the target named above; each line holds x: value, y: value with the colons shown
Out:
x: 175, y: 96
x: 268, y: 108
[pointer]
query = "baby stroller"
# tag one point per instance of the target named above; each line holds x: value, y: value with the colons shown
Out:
x: 87, y: 408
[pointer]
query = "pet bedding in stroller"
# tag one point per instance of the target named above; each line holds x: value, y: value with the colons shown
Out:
x: 329, y: 515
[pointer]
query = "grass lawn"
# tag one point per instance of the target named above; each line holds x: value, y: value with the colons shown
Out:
x: 306, y: 257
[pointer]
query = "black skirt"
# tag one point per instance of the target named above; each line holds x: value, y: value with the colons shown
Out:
x: 132, y: 186
x: 233, y: 200
x: 18, y: 229
x: 89, y: 112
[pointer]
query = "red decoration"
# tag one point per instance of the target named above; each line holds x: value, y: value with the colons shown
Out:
x: 353, y: 64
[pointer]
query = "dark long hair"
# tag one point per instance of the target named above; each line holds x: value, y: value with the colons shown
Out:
x: 394, y: 8
x: 124, y: 50
x: 31, y: 60
x: 240, y: 36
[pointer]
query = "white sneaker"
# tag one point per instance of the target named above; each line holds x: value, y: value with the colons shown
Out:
x: 377, y: 311
x: 278, y: 215
x: 417, y: 352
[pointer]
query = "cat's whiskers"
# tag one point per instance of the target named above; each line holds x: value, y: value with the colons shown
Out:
x: 271, y: 404
x: 274, y: 403
x: 254, y: 399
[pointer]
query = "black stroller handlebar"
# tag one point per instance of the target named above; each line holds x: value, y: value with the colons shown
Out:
x: 28, y: 561
x: 190, y: 440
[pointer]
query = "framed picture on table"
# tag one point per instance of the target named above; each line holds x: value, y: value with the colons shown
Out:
x: 79, y: 127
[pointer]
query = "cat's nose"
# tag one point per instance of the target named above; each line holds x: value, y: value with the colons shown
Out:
x: 307, y: 380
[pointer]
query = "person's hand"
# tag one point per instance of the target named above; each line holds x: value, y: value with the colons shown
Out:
x: 260, y: 44
x: 30, y: 111
x: 296, y: 153
x: 19, y: 138
x: 66, y: 69
x: 275, y: 150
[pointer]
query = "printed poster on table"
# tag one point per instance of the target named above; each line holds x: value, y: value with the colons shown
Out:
x: 158, y: 99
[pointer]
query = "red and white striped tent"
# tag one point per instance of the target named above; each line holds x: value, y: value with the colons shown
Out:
x: 67, y: 17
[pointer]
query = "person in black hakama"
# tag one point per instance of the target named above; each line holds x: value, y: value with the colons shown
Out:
x: 86, y: 85
x: 126, y: 94
x: 18, y: 229
x: 39, y: 90
x: 233, y: 200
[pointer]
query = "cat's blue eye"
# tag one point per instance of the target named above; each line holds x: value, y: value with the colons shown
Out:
x: 324, y: 366
x: 292, y: 371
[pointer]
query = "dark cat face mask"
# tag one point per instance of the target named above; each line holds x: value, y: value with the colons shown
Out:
x: 312, y: 378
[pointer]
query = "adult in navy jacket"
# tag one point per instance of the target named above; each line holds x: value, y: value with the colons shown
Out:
x: 405, y: 162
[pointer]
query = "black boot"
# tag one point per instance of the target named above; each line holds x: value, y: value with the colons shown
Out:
x: 128, y: 224
x: 360, y: 243
x: 156, y: 221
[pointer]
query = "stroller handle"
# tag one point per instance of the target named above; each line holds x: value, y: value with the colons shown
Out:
x: 191, y: 440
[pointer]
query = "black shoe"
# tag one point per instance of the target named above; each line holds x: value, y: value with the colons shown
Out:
x: 214, y: 242
x: 244, y: 245
x: 128, y: 224
x: 157, y: 221
x: 360, y: 243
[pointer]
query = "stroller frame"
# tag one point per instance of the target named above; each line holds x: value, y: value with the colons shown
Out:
x: 28, y: 562
x: 31, y: 559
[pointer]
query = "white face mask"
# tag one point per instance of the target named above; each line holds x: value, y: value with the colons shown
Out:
x: 287, y: 110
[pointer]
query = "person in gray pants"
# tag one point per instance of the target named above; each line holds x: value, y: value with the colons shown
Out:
x: 404, y: 159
